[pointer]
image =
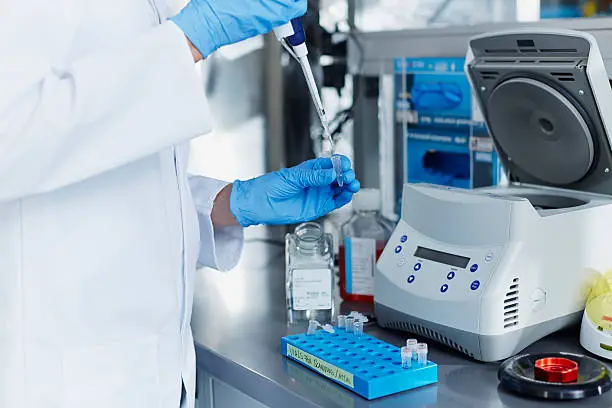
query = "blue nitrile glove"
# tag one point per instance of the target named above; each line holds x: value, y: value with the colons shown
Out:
x: 289, y: 196
x: 210, y: 24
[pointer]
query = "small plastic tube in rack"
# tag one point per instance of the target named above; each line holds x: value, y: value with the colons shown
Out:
x: 350, y: 321
x: 406, y: 357
x: 358, y: 328
x: 412, y: 346
x: 342, y: 322
x: 313, y: 325
x: 422, y: 354
x: 328, y: 328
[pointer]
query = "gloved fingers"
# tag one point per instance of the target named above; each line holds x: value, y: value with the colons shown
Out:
x: 343, y: 199
x: 322, y: 163
x: 348, y: 176
x: 299, y: 6
x: 305, y: 178
x: 354, y: 186
x: 346, y: 163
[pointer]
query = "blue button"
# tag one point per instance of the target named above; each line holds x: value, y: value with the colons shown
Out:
x: 473, y: 268
x: 444, y: 288
x: 450, y: 275
x: 398, y: 249
x: 417, y: 267
x: 475, y: 285
x: 411, y: 279
x: 404, y: 238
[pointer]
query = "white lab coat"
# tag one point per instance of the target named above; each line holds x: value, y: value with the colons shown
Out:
x: 99, y: 232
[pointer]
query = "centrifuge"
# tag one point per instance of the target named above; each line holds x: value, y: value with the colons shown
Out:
x: 490, y: 271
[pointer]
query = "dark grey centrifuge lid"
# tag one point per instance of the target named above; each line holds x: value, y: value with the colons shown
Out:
x: 539, y: 104
x: 540, y: 131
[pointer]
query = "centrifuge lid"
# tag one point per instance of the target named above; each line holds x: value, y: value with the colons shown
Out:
x: 541, y: 131
x: 540, y: 108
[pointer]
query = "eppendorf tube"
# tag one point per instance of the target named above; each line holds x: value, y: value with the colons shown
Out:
x: 422, y: 354
x: 412, y: 346
x: 337, y: 163
x: 406, y: 357
x: 341, y: 322
x: 350, y: 321
x: 358, y: 328
x: 313, y: 325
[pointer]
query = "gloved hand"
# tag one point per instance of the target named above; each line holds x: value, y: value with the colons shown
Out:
x: 210, y: 24
x: 288, y: 196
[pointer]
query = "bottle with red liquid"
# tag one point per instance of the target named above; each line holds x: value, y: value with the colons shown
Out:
x: 364, y: 237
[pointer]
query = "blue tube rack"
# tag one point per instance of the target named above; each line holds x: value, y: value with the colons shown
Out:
x: 365, y: 365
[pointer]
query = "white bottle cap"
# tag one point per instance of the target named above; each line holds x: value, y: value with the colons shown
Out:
x: 367, y: 199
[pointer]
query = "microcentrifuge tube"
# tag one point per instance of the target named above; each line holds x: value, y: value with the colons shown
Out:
x: 328, y: 328
x: 358, y: 328
x: 313, y: 325
x: 341, y: 322
x: 337, y: 163
x: 412, y: 346
x: 350, y: 321
x: 406, y: 357
x: 422, y: 354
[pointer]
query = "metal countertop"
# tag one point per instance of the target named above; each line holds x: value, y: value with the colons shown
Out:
x: 239, y: 318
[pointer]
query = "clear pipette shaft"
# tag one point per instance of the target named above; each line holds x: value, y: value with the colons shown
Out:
x: 314, y: 93
x: 316, y: 98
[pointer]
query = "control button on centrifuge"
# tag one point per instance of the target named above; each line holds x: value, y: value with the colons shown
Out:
x: 473, y: 268
x: 398, y: 249
x: 417, y: 267
x: 444, y: 288
x: 475, y: 285
x: 404, y: 238
x: 410, y: 279
x: 450, y: 275
x: 489, y: 257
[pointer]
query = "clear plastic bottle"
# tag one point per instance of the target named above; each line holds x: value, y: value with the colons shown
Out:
x: 365, y: 235
x: 309, y: 274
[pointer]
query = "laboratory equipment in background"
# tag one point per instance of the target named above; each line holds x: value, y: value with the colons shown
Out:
x: 364, y: 237
x: 596, y: 328
x: 309, y: 274
x: 443, y: 137
x: 490, y: 271
x: 574, y: 8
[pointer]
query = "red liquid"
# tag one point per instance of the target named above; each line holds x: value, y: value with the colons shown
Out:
x: 380, y: 246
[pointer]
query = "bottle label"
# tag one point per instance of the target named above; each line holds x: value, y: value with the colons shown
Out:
x: 312, y: 289
x: 360, y: 261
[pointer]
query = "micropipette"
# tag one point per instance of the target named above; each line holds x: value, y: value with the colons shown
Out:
x: 293, y: 39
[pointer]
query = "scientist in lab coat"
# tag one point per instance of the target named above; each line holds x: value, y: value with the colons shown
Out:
x: 100, y: 226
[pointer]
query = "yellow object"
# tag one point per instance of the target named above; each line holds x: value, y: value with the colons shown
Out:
x: 589, y: 9
x: 599, y: 302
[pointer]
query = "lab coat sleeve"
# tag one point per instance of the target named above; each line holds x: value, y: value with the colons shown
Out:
x: 220, y: 248
x: 63, y: 122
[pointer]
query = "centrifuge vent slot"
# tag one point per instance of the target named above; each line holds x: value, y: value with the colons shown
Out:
x: 489, y: 75
x: 426, y: 332
x: 511, y: 305
x: 559, y: 50
x: 501, y: 51
x: 563, y: 76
